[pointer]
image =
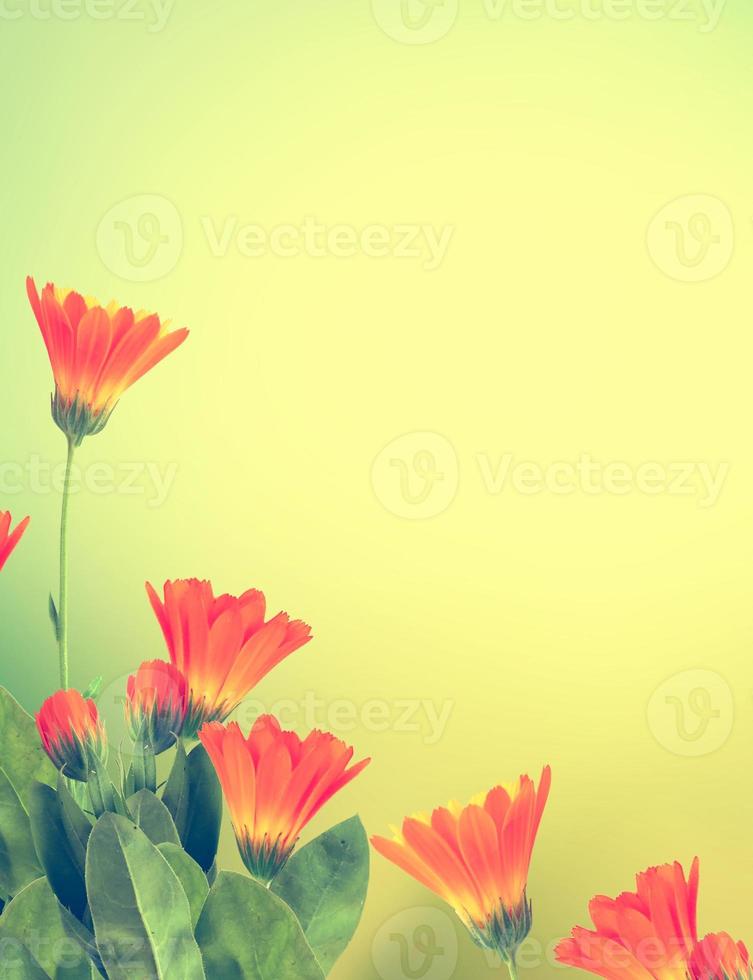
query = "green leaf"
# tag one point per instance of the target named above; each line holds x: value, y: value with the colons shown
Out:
x: 190, y: 875
x: 76, y: 823
x: 152, y: 816
x: 54, y: 850
x: 37, y: 921
x: 95, y: 688
x: 24, y: 760
x: 18, y: 857
x: 325, y: 884
x: 142, y: 919
x: 194, y: 798
x: 54, y: 618
x: 247, y: 933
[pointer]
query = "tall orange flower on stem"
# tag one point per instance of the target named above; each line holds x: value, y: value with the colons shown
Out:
x: 221, y: 644
x: 476, y: 858
x: 648, y: 933
x: 9, y: 539
x: 274, y: 783
x: 96, y: 353
x: 719, y: 957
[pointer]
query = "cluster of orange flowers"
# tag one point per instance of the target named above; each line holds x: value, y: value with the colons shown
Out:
x: 475, y: 857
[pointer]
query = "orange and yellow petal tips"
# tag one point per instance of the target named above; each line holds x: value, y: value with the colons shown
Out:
x: 96, y: 353
x: 71, y: 733
x: 222, y: 645
x: 274, y: 784
x: 476, y: 858
x: 719, y: 957
x: 9, y: 539
x: 156, y: 701
x: 640, y: 935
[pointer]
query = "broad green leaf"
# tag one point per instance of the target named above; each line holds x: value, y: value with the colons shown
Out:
x: 325, y: 884
x: 190, y: 875
x: 142, y: 919
x: 194, y: 798
x: 152, y: 816
x: 55, y: 852
x: 76, y: 823
x: 37, y: 921
x: 247, y: 933
x: 18, y: 858
x: 175, y: 794
x: 23, y: 758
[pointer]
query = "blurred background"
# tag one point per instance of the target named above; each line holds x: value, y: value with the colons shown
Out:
x: 467, y: 388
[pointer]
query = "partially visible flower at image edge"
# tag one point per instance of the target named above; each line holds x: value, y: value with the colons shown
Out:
x: 71, y: 733
x: 155, y: 705
x: 95, y: 353
x: 648, y: 933
x: 221, y: 644
x: 9, y: 539
x: 719, y: 957
x: 476, y: 858
x: 274, y: 784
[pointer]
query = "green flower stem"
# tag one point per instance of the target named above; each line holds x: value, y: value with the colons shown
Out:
x: 512, y: 968
x: 62, y: 623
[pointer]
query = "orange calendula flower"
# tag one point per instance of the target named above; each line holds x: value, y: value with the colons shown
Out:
x: 71, y: 733
x: 9, y: 539
x: 274, y: 783
x: 719, y: 957
x: 96, y: 353
x: 476, y: 858
x: 222, y: 645
x: 640, y: 935
x: 156, y: 704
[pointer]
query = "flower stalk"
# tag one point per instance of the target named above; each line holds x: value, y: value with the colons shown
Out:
x: 62, y: 611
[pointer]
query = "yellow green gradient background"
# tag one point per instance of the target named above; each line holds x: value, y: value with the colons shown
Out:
x: 545, y: 621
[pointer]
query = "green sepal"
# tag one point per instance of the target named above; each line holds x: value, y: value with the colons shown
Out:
x: 505, y: 929
x: 76, y: 419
